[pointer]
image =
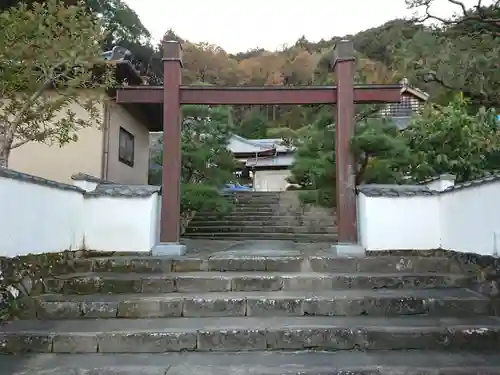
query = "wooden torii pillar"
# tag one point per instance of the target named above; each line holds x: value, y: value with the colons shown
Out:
x: 344, y: 95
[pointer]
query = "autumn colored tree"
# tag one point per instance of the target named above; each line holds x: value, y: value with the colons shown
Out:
x: 208, y: 63
x: 49, y: 57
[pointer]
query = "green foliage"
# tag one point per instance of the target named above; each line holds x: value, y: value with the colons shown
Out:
x: 253, y: 125
x: 49, y: 55
x: 205, y: 135
x: 206, y: 163
x: 380, y: 42
x: 459, y: 54
x: 380, y: 151
x: 447, y: 139
x: 202, y: 196
x: 443, y: 139
x: 380, y: 154
x: 122, y: 25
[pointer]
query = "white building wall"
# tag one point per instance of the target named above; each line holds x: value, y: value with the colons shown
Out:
x: 271, y: 180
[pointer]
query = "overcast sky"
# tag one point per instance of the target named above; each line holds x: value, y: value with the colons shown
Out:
x: 242, y: 25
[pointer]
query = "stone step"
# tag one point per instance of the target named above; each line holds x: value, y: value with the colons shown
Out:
x: 272, y: 221
x: 250, y: 333
x: 301, y: 237
x: 235, y: 214
x: 252, y: 195
x: 254, y: 202
x: 437, y: 302
x: 238, y: 217
x: 282, y: 263
x: 196, y: 282
x: 415, y: 362
x: 245, y: 209
x: 258, y: 229
x: 250, y: 200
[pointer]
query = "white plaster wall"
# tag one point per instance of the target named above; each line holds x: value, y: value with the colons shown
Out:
x: 38, y: 219
x: 271, y: 180
x: 399, y: 223
x: 120, y: 224
x: 471, y: 219
x: 466, y: 220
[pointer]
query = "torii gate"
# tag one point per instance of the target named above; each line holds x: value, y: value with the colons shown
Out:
x: 345, y: 95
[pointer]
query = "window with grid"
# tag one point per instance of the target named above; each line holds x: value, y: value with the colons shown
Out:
x: 126, y: 147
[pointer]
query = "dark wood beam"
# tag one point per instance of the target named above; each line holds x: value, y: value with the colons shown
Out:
x: 259, y: 95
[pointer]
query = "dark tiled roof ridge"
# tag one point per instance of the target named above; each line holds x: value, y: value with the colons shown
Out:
x: 419, y: 189
x: 105, y: 189
x: 87, y: 177
x: 25, y: 177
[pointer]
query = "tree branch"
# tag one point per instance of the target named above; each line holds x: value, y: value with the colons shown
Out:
x: 475, y: 96
x: 19, y: 143
x: 362, y: 169
x: 462, y: 5
x: 18, y: 119
x: 480, y: 15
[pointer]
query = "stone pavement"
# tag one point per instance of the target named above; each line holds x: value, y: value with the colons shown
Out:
x: 268, y: 307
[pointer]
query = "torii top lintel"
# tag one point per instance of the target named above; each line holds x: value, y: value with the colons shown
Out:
x: 250, y: 95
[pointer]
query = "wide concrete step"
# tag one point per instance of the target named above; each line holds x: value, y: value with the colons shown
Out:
x: 289, y: 263
x: 301, y: 237
x: 437, y: 302
x: 195, y: 282
x: 414, y: 362
x: 250, y: 333
x: 194, y: 228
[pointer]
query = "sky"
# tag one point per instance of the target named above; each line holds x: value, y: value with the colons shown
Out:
x: 239, y: 26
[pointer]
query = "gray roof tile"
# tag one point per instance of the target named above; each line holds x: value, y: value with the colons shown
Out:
x: 20, y: 176
x: 126, y: 191
x: 421, y: 190
x: 395, y: 190
x: 104, y: 189
x: 472, y: 183
x: 87, y: 177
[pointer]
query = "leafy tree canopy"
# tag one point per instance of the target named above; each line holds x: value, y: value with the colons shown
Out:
x: 456, y: 54
x: 41, y: 81
x: 447, y: 139
x: 443, y: 139
x: 206, y: 163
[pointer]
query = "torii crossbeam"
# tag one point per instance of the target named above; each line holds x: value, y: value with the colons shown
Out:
x: 172, y: 95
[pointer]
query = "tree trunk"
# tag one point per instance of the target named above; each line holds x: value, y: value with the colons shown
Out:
x: 4, y: 152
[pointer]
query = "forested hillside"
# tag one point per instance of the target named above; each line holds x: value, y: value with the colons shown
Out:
x: 459, y: 55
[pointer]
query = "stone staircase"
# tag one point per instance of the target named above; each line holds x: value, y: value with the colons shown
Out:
x: 263, y: 215
x: 245, y: 314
